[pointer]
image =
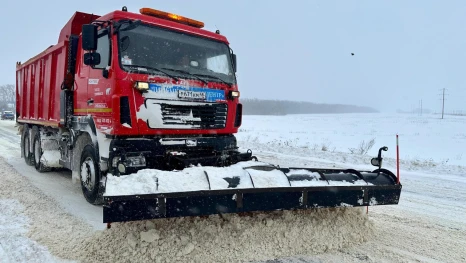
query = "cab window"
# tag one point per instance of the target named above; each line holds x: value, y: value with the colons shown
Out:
x: 103, y: 48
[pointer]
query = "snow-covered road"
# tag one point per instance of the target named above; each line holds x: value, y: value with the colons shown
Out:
x: 44, y: 218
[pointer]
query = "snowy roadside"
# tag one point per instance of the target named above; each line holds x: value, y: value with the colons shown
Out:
x: 427, y: 226
x: 341, y: 235
x: 30, y: 220
x: 15, y: 246
x: 331, y: 159
x: 213, y: 239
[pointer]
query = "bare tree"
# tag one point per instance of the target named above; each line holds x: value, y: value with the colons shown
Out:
x: 7, y: 96
x: 363, y: 148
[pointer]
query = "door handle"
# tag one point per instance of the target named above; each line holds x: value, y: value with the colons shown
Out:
x: 90, y: 101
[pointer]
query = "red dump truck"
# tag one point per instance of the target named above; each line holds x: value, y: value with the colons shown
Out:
x: 127, y: 91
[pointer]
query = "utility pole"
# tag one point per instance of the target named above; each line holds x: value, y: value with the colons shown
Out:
x: 421, y: 107
x: 443, y: 101
x: 418, y: 110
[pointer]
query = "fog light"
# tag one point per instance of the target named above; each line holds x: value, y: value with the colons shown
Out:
x: 141, y: 86
x: 121, y: 168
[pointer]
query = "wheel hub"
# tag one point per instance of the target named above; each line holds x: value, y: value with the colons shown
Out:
x: 88, y: 174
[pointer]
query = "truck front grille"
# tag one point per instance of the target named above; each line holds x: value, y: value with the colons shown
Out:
x: 208, y: 116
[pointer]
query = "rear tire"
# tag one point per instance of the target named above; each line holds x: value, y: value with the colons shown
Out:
x: 89, y: 173
x: 26, y: 145
x: 37, y: 149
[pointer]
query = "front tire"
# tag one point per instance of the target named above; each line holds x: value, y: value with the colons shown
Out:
x: 89, y: 173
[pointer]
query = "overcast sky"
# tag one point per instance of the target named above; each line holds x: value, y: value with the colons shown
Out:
x: 405, y: 51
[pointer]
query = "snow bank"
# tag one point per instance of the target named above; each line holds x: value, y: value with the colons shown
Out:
x: 232, y: 239
x: 14, y: 244
x: 31, y: 222
x: 211, y: 239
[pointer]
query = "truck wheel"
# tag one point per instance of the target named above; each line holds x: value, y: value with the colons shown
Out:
x: 90, y: 176
x: 26, y: 146
x: 38, y: 154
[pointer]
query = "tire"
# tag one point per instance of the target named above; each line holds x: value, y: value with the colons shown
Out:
x: 37, y: 154
x: 89, y: 173
x: 26, y: 154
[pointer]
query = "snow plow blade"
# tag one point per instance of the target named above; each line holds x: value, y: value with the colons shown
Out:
x: 257, y: 187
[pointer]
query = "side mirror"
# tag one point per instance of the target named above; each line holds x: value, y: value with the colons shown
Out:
x: 233, y: 57
x: 92, y: 59
x: 375, y: 161
x: 89, y: 35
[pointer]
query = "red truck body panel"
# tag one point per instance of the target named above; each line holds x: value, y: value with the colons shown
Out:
x: 38, y: 85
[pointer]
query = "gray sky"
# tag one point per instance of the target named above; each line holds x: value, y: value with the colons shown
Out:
x: 405, y: 51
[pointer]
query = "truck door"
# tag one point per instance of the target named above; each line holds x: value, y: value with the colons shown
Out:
x: 99, y: 88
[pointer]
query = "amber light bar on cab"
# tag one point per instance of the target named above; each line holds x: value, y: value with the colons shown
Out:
x: 172, y: 17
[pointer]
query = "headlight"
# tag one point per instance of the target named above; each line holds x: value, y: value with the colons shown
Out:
x: 141, y: 86
x: 136, y: 161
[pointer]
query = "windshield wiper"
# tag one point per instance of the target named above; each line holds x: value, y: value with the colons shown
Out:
x: 188, y: 73
x: 214, y: 77
x: 152, y: 68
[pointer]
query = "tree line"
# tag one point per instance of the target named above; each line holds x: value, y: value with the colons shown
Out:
x: 7, y: 97
x: 284, y: 107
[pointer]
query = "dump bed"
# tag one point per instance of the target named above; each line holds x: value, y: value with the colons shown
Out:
x: 39, y: 80
x: 38, y: 83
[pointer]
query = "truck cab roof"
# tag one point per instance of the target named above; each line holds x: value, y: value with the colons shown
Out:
x: 73, y: 27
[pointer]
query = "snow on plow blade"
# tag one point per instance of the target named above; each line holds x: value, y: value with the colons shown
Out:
x: 243, y: 187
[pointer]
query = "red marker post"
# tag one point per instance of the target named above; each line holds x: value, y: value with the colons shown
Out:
x: 397, y: 161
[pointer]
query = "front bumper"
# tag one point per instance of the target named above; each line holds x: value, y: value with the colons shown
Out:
x: 130, y: 155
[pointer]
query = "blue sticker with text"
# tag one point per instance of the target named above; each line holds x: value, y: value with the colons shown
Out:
x: 194, y: 93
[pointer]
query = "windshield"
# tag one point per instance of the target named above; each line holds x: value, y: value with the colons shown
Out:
x: 181, y: 54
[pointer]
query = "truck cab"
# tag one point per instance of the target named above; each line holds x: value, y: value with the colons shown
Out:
x: 162, y: 91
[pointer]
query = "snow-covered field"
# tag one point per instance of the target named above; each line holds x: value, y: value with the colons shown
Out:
x: 44, y: 218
